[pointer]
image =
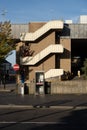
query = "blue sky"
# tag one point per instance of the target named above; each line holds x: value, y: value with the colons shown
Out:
x: 24, y: 11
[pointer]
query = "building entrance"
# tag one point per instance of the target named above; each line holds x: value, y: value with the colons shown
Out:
x: 39, y: 82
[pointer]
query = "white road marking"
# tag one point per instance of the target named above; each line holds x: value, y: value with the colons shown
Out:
x: 14, y: 122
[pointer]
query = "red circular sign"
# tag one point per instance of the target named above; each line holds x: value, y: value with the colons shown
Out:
x: 16, y: 67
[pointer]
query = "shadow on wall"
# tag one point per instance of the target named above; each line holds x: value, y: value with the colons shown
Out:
x: 66, y: 54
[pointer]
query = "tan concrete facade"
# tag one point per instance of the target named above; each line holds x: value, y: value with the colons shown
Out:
x: 53, y: 60
x: 45, y: 66
x: 38, y: 46
x: 33, y: 26
x: 49, y: 62
x: 65, y: 61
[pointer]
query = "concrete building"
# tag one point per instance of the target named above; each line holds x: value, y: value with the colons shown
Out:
x: 51, y: 47
x: 46, y: 47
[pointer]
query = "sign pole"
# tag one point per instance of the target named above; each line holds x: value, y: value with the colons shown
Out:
x: 16, y: 68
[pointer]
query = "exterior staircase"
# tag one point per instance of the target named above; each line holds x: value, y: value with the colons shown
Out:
x: 56, y: 24
x: 53, y: 73
x: 38, y: 57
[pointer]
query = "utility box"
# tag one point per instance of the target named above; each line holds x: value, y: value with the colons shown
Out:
x: 47, y: 87
x: 39, y: 82
x: 21, y: 89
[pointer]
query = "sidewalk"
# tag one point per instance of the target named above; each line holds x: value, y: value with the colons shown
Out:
x: 8, y: 87
x: 12, y: 99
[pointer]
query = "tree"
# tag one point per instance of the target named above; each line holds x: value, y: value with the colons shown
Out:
x: 25, y: 50
x: 84, y: 68
x: 6, y: 40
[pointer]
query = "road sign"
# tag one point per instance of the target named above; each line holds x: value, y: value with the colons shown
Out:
x: 16, y: 67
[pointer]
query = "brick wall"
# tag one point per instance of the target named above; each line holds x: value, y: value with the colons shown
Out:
x: 65, y: 60
x: 39, y: 45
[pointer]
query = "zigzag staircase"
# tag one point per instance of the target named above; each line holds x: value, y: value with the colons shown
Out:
x: 53, y: 73
x: 56, y: 24
x: 38, y: 57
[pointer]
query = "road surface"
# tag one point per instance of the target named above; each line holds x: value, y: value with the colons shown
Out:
x: 43, y: 118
